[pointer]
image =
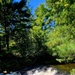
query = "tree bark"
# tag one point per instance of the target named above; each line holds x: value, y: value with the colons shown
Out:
x: 5, y: 25
x: 0, y: 44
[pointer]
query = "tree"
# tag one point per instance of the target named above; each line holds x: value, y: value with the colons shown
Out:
x: 13, y: 18
x: 38, y: 32
x: 14, y: 36
x: 62, y: 37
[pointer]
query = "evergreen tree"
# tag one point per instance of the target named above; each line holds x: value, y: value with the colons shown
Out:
x: 14, y: 18
x: 14, y: 33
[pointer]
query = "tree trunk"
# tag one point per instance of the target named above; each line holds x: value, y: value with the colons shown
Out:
x: 7, y: 40
x: 0, y: 43
x: 5, y: 25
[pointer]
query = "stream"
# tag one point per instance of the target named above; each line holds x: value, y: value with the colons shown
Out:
x: 39, y: 70
x: 59, y: 69
x: 65, y: 67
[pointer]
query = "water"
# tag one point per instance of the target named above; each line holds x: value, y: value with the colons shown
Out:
x: 39, y: 70
x: 43, y: 70
x: 59, y: 69
x: 65, y: 67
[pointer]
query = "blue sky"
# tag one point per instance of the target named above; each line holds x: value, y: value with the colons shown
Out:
x: 33, y: 4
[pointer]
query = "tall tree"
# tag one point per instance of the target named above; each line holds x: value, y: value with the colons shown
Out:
x: 14, y: 18
x: 14, y: 32
x: 41, y: 25
x: 62, y: 37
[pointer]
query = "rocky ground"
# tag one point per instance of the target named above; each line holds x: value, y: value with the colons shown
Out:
x: 41, y: 70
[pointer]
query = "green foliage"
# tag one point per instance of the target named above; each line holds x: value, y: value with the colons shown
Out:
x: 42, y: 16
x: 32, y: 37
x: 72, y: 72
x: 14, y: 38
x: 61, y: 39
x: 61, y: 43
x: 1, y: 31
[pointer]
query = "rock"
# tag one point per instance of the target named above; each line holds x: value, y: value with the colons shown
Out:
x: 5, y: 72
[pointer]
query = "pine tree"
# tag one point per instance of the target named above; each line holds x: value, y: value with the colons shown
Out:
x: 14, y: 18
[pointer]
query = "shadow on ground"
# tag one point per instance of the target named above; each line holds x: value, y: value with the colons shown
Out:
x: 10, y: 62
